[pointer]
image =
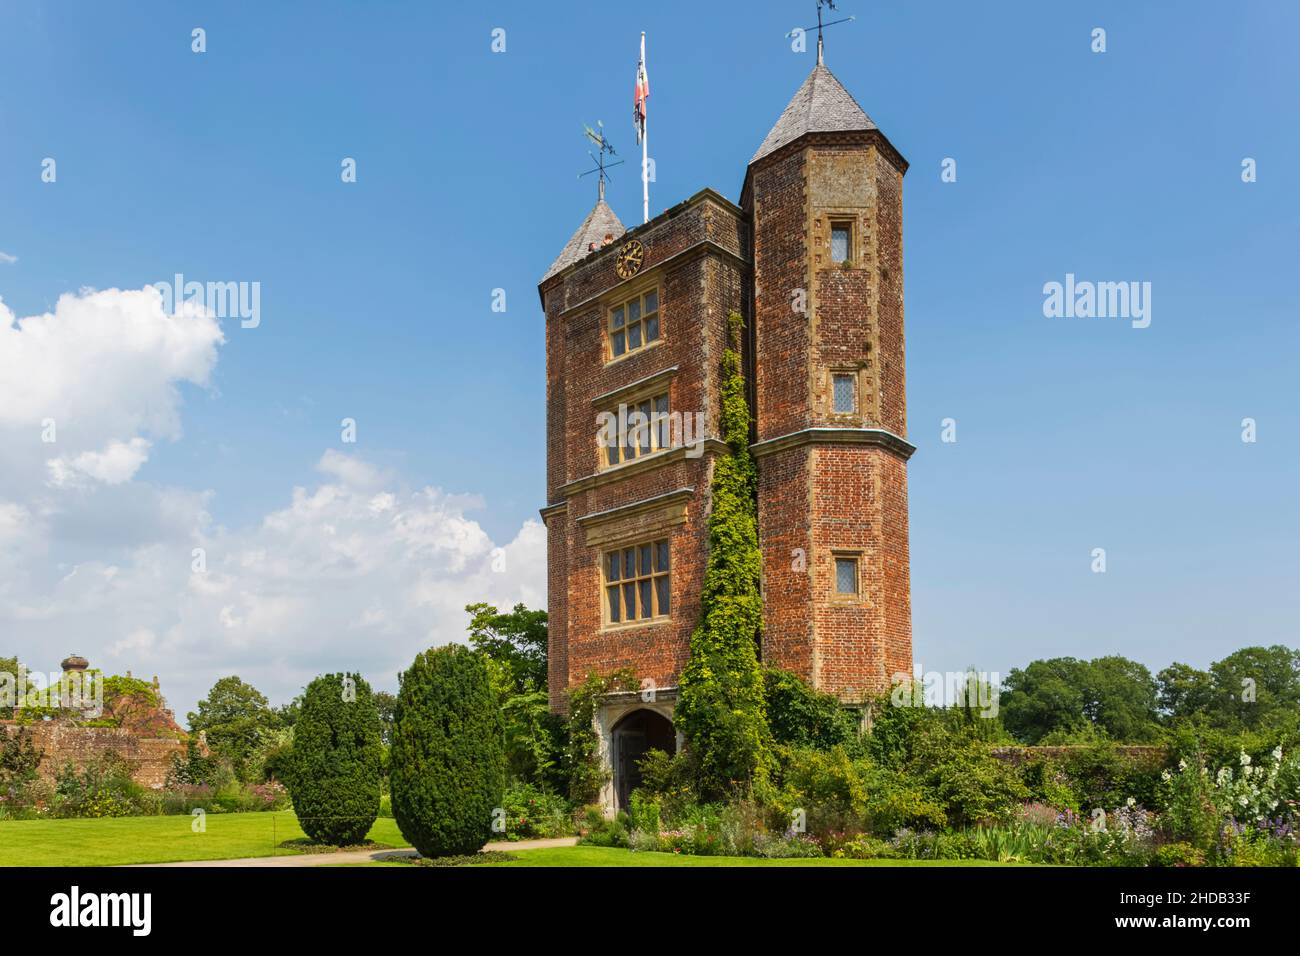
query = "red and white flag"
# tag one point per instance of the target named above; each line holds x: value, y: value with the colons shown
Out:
x: 642, y: 92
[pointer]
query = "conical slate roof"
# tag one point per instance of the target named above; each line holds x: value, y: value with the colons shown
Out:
x: 600, y: 222
x: 822, y: 105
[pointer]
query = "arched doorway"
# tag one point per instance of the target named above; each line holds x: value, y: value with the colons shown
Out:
x: 634, y: 735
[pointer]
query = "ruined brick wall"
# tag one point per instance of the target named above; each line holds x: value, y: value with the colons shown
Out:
x: 694, y: 256
x: 63, y: 742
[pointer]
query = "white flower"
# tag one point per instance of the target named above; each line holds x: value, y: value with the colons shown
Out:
x: 1166, y: 776
x: 1277, y: 753
x: 1182, y: 765
x: 1245, y: 759
x: 1129, y: 802
x: 1242, y: 800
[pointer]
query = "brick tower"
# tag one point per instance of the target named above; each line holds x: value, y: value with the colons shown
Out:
x: 823, y: 195
x: 636, y: 320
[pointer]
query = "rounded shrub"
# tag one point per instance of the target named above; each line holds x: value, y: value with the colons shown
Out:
x: 335, y: 761
x: 447, y: 762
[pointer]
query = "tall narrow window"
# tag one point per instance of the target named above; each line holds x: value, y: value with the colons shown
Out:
x: 617, y: 332
x: 634, y: 324
x: 846, y: 575
x: 841, y: 242
x: 637, y: 582
x: 844, y: 393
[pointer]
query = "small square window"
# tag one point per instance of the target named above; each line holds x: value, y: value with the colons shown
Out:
x: 846, y: 575
x: 845, y: 393
x: 841, y: 242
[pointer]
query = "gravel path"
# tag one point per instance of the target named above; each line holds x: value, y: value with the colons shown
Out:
x: 355, y: 856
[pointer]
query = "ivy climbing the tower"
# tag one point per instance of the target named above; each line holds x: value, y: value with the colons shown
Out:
x: 721, y: 710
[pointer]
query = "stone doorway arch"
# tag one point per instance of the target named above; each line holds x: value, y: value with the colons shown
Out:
x: 636, y: 733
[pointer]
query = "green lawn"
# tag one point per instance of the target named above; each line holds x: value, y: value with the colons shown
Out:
x: 156, y: 839
x: 585, y: 856
x: 125, y: 840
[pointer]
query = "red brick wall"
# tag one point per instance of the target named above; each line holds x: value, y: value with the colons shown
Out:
x: 785, y: 537
x: 889, y: 303
x: 828, y: 497
x: 694, y: 251
x: 782, y: 340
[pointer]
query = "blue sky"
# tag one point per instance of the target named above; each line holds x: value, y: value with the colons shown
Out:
x: 1072, y: 434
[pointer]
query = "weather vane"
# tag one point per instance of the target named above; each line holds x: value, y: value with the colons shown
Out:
x: 603, y: 146
x: 829, y: 5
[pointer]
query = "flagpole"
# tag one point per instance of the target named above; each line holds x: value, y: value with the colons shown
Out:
x: 645, y: 150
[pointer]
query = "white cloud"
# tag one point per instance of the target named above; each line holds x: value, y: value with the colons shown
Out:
x: 118, y: 462
x: 100, y: 376
x: 355, y: 571
x: 6, y: 258
x: 326, y: 583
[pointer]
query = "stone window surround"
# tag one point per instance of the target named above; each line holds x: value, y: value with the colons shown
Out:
x: 841, y: 597
x: 855, y: 371
x: 655, y: 384
x: 634, y: 288
x: 615, y: 548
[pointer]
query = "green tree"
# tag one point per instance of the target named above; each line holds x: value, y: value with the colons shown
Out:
x: 386, y: 704
x: 1046, y: 696
x: 1184, y: 690
x: 1254, y: 684
x: 1120, y: 698
x: 1065, y: 695
x: 237, y: 721
x: 515, y: 640
x: 721, y: 708
x: 335, y: 760
x: 447, y: 763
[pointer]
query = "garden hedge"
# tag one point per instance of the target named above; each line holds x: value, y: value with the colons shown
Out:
x: 336, y: 759
x: 448, y: 753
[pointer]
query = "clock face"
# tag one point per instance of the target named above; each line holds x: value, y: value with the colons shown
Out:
x: 629, y: 259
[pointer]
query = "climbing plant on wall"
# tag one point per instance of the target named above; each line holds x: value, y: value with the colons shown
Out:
x: 721, y: 707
